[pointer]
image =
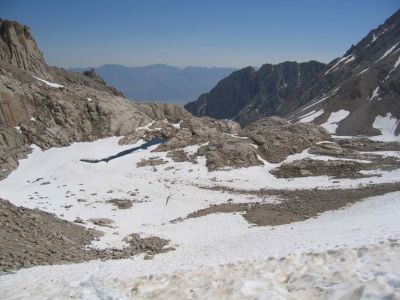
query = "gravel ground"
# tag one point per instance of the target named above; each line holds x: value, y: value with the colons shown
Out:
x: 32, y: 237
x: 296, y: 205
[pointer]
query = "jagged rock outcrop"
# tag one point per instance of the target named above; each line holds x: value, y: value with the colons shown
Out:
x: 229, y: 152
x: 92, y: 74
x: 225, y: 145
x: 363, y: 84
x: 195, y: 131
x: 18, y: 48
x: 277, y: 139
x: 161, y: 111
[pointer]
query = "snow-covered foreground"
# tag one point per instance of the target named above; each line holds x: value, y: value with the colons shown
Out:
x: 57, y: 181
x: 369, y: 272
x: 208, y: 246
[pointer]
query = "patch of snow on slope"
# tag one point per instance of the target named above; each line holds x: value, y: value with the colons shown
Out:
x: 311, y: 116
x: 387, y: 125
x: 333, y: 120
x: 52, y: 84
x: 362, y: 72
x: 321, y: 100
x: 344, y: 60
x: 375, y: 94
x: 390, y: 50
x: 146, y: 127
x: 396, y: 64
x: 374, y: 37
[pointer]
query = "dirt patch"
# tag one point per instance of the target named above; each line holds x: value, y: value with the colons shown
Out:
x: 121, y: 203
x: 32, y: 237
x: 152, y: 161
x: 296, y: 205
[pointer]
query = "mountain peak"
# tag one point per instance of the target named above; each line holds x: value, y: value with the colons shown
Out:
x: 18, y: 47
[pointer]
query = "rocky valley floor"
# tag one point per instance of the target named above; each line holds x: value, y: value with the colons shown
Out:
x: 276, y: 230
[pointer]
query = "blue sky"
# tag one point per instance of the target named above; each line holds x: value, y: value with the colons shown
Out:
x: 234, y: 33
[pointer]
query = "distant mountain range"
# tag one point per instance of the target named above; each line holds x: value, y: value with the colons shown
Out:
x: 160, y: 82
x: 358, y: 92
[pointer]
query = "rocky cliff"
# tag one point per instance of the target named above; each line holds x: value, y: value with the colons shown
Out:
x: 248, y: 95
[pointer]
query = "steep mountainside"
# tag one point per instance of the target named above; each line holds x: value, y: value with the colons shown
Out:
x: 249, y: 95
x: 36, y: 110
x: 358, y: 93
x: 161, y: 82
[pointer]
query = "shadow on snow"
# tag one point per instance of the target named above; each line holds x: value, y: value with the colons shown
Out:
x: 125, y: 152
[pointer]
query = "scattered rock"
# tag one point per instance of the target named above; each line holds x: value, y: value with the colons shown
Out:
x: 152, y: 161
x: 295, y: 205
x: 32, y: 237
x: 101, y: 222
x: 121, y: 203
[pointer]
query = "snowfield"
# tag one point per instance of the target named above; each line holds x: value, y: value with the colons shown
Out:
x: 57, y: 181
x: 332, y: 123
x: 387, y: 126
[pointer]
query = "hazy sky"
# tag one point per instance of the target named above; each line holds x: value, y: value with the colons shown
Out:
x: 234, y: 33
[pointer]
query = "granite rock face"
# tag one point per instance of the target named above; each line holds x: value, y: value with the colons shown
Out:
x: 17, y: 47
x: 229, y: 152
